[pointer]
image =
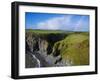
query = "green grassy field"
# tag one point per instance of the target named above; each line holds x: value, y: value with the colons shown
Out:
x: 47, y: 31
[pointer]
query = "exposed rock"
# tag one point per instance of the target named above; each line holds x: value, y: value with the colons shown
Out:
x: 51, y: 49
x: 31, y: 61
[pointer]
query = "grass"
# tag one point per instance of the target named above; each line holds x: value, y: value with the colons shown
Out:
x: 74, y: 48
x: 47, y: 31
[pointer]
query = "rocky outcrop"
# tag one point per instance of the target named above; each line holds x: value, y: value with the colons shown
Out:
x: 49, y: 50
x: 31, y: 61
x: 43, y: 44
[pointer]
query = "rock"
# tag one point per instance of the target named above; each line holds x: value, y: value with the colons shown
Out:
x: 30, y: 61
x: 44, y: 48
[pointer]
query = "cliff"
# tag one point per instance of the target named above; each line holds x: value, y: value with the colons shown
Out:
x: 49, y: 49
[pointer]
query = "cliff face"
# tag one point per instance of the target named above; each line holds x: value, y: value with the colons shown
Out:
x: 43, y: 45
x: 49, y: 50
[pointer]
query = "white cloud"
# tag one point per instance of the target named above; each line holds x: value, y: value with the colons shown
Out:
x: 55, y: 23
x: 65, y: 22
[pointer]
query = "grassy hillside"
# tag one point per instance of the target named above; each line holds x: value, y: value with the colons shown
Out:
x: 74, y: 48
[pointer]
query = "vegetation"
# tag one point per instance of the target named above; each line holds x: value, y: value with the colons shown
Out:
x: 72, y: 46
x: 44, y: 31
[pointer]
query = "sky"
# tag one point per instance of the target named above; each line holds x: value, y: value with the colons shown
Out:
x: 52, y: 21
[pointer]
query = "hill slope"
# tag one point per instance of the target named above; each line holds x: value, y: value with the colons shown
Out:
x: 58, y: 48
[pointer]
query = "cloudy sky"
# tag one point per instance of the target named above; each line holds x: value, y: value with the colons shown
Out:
x: 48, y: 21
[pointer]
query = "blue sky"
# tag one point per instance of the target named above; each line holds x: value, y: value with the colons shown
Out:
x: 49, y: 21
